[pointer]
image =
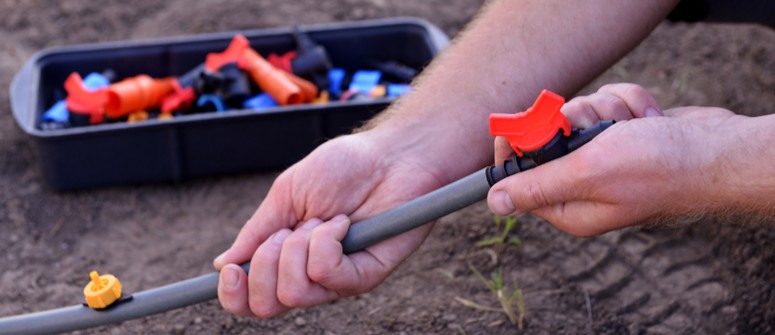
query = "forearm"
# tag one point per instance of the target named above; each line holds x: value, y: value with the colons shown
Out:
x: 743, y: 177
x: 500, y: 63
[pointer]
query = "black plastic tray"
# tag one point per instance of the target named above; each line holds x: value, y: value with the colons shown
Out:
x: 203, y: 144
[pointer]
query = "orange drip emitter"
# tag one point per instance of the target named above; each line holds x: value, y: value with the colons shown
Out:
x: 102, y: 290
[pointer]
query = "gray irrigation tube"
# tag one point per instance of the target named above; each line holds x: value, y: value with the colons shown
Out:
x: 403, y: 218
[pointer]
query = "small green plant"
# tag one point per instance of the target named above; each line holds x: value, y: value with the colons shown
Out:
x: 499, y: 243
x: 505, y: 298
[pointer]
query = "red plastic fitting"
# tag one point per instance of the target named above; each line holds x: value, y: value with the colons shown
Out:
x: 81, y: 100
x: 232, y: 54
x: 179, y: 98
x: 282, y: 62
x: 535, y: 127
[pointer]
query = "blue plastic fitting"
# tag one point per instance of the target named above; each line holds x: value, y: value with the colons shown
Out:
x: 260, y: 101
x: 211, y: 99
x: 57, y: 113
x: 394, y: 90
x: 95, y: 80
x: 364, y: 81
x: 335, y: 80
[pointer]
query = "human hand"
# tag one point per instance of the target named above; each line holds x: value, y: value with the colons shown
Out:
x: 296, y: 258
x: 638, y: 170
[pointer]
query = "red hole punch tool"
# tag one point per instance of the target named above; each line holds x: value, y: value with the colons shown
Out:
x: 534, y: 128
x: 538, y: 135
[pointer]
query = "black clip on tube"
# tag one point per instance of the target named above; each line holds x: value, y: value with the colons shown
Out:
x: 461, y: 193
x: 410, y: 215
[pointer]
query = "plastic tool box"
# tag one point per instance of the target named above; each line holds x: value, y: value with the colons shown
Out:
x: 205, y: 144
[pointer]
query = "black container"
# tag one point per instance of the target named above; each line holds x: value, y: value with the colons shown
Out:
x: 203, y: 144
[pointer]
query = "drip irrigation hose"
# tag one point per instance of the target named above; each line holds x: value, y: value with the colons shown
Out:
x: 403, y: 218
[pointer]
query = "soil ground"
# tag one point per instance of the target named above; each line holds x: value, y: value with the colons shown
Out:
x: 708, y: 278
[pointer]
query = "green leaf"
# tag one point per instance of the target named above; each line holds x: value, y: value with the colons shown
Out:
x: 489, y: 242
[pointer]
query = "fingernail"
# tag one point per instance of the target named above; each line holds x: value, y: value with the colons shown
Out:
x: 219, y: 260
x: 229, y: 277
x: 651, y: 112
x: 502, y: 204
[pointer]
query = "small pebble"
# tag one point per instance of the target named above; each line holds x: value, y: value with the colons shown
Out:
x: 299, y: 321
x: 228, y: 323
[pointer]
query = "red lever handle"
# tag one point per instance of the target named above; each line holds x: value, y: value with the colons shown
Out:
x: 81, y: 100
x: 532, y: 129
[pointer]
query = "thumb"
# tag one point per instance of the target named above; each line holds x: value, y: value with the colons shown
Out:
x: 553, y: 183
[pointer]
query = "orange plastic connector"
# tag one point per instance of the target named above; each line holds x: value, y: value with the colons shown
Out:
x: 101, y: 291
x: 81, y: 100
x: 137, y: 93
x: 323, y: 98
x: 285, y: 88
x: 309, y: 92
x: 278, y: 84
x: 532, y: 129
x: 138, y: 116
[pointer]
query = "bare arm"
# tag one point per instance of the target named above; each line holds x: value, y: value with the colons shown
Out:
x: 508, y: 54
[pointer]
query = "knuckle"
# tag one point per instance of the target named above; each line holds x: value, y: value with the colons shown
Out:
x: 292, y: 297
x: 635, y: 90
x: 617, y: 87
x: 319, y: 273
x: 295, y: 240
x: 535, y: 194
x: 607, y: 88
x: 610, y: 102
x: 261, y: 308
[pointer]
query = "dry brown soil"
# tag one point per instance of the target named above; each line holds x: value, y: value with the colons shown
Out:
x: 710, y: 278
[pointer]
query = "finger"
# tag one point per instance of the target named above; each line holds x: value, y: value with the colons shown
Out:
x: 294, y: 288
x: 580, y: 218
x: 693, y: 112
x: 272, y: 215
x: 639, y: 101
x: 580, y: 113
x: 503, y: 150
x: 547, y: 185
x: 327, y: 264
x: 606, y: 106
x: 233, y: 290
x: 262, y: 279
x: 355, y: 273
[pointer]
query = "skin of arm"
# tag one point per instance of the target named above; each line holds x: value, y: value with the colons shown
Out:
x: 435, y: 135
